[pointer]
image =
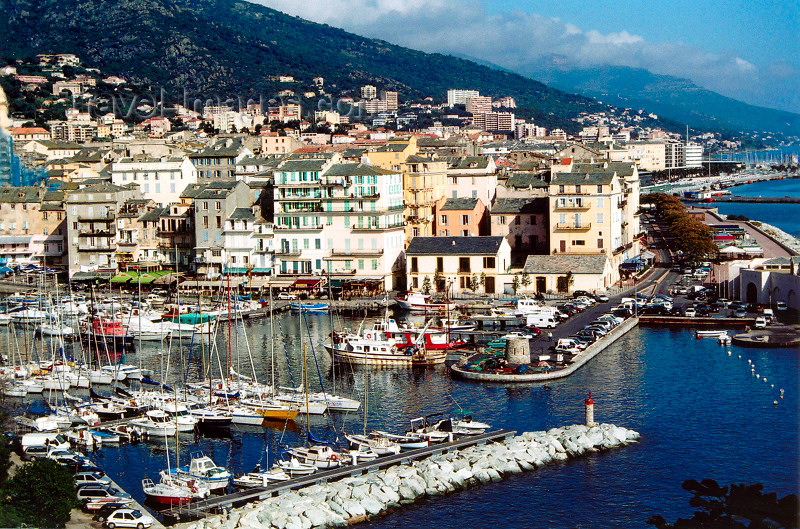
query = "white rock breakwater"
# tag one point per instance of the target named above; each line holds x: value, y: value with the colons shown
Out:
x: 354, y: 499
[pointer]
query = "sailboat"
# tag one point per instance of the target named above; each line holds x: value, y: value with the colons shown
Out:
x: 173, y: 491
x: 378, y: 444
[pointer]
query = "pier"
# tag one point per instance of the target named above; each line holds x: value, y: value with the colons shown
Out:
x: 737, y: 198
x: 228, y: 501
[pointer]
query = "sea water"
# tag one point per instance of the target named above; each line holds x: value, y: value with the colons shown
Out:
x: 700, y: 412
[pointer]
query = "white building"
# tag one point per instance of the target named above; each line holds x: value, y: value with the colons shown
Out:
x: 459, y: 97
x: 341, y: 219
x: 694, y: 155
x: 160, y: 179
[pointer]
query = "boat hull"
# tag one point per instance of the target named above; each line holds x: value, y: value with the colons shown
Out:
x: 393, y: 359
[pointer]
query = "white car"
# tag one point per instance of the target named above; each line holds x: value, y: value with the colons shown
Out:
x: 286, y: 295
x: 761, y: 322
x: 128, y: 518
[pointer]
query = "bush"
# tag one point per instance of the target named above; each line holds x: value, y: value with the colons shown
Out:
x: 41, y: 494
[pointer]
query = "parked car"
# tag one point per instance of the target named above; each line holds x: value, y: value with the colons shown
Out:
x: 689, y: 312
x: 34, y: 452
x: 102, y: 513
x: 287, y: 295
x: 780, y: 305
x: 128, y: 518
x: 602, y: 298
x: 579, y: 293
x: 761, y: 323
x: 94, y: 496
x: 93, y: 478
x: 739, y: 313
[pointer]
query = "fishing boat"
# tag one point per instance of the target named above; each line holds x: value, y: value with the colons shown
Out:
x: 406, y: 442
x: 107, y: 335
x: 295, y: 468
x: 261, y: 478
x: 379, y: 444
x: 415, y: 336
x: 710, y: 333
x: 202, y: 469
x: 322, y: 457
x: 155, y: 422
x: 309, y: 307
x: 417, y: 301
x: 373, y: 348
x: 168, y: 492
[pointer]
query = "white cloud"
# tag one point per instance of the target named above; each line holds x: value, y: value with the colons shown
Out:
x: 516, y: 39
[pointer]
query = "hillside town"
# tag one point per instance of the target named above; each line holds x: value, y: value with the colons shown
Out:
x: 477, y: 201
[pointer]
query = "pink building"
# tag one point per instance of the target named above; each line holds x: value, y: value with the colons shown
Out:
x: 460, y: 217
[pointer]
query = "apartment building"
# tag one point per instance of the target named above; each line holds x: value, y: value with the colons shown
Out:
x: 92, y: 226
x: 459, y: 97
x: 457, y: 264
x: 465, y: 217
x: 523, y: 222
x: 159, y: 179
x: 594, y: 211
x: 340, y: 219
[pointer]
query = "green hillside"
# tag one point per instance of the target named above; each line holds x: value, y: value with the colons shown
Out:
x: 222, y: 48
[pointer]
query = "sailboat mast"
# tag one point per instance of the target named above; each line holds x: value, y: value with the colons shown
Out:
x: 305, y: 390
x: 271, y: 346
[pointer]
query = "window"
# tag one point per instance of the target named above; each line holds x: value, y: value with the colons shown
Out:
x: 443, y: 220
x: 599, y: 188
x: 44, y: 216
x: 577, y: 188
x: 219, y: 222
x: 517, y: 220
x: 445, y: 233
x: 561, y: 188
x: 205, y: 221
x: 463, y: 282
x: 578, y: 243
x: 465, y: 233
x: 501, y: 219
x: 600, y: 201
x: 216, y: 253
x: 415, y: 283
x: 317, y: 244
x: 205, y: 205
x: 218, y: 205
x: 489, y: 262
x: 463, y: 265
x: 600, y: 243
x: 360, y: 264
x: 599, y: 218
x: 464, y: 220
x: 374, y: 264
x: 440, y: 264
x: 562, y: 218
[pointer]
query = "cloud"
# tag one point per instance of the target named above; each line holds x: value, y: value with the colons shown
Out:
x: 520, y: 40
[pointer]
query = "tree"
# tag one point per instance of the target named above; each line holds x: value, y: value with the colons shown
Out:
x: 729, y: 508
x: 438, y: 281
x: 476, y: 281
x: 426, y: 285
x: 42, y: 493
x: 525, y: 280
x: 515, y: 283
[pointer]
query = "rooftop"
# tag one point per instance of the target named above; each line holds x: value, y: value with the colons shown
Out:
x: 562, y: 264
x: 454, y: 245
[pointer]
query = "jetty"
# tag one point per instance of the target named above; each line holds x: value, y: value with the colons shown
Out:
x: 361, y: 495
x: 227, y: 501
x: 743, y: 199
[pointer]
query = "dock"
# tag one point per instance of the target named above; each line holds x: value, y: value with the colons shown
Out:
x: 202, y: 508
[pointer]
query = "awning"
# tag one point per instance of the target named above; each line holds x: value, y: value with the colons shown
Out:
x: 168, y: 277
x: 219, y: 283
x: 262, y: 270
x: 307, y: 283
x: 281, y: 283
x: 235, y: 271
x: 647, y: 255
x: 91, y: 276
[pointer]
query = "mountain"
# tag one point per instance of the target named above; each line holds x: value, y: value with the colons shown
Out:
x: 669, y: 97
x: 214, y: 49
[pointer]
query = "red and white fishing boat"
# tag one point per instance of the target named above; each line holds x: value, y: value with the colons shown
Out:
x: 173, y: 492
x: 418, y: 301
x: 414, y: 336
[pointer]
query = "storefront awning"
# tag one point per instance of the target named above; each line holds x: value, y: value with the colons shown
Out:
x: 307, y: 283
x: 91, y: 276
x: 262, y: 270
x: 235, y: 271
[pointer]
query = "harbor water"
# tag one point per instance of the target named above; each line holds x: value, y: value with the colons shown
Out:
x: 700, y: 411
x: 783, y: 216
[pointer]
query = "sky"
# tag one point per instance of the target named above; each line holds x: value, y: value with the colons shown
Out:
x: 745, y: 49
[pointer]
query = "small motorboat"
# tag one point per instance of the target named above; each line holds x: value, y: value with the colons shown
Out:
x: 710, y: 334
x: 261, y: 479
x: 295, y: 468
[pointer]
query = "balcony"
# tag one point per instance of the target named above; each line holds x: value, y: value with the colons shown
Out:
x: 128, y: 243
x: 97, y: 233
x: 622, y: 204
x: 168, y: 233
x: 574, y: 227
x: 378, y: 228
x: 84, y: 248
x: 297, y: 198
x: 97, y: 217
x: 574, y: 207
x: 357, y: 253
x: 300, y: 228
x: 622, y: 248
x: 172, y: 246
x: 464, y: 271
x: 334, y: 181
x: 288, y: 253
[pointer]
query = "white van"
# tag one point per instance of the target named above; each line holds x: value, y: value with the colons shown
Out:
x: 542, y: 321
x: 51, y: 440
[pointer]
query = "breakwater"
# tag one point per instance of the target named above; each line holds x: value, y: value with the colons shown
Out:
x: 357, y: 498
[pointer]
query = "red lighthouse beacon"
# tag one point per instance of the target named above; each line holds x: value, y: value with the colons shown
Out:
x: 589, y: 409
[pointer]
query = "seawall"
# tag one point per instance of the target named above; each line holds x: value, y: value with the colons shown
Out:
x: 358, y: 498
